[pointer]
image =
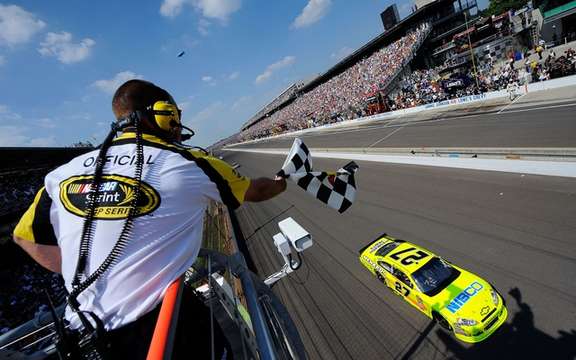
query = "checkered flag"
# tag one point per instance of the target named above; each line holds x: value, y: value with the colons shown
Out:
x: 298, y: 160
x: 337, y: 190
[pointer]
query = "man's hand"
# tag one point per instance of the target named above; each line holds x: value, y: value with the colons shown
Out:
x: 46, y: 255
x: 263, y: 189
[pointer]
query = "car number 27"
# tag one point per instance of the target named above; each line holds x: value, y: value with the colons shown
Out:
x: 402, y: 289
x: 418, y: 255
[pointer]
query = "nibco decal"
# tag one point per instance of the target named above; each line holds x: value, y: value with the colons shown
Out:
x: 114, y: 200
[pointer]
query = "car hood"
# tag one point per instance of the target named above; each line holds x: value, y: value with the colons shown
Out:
x: 468, y: 296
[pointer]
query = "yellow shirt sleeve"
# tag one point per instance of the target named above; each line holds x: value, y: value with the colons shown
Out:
x: 231, y: 185
x: 35, y: 224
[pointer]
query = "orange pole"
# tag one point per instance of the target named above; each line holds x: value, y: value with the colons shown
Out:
x: 166, y: 323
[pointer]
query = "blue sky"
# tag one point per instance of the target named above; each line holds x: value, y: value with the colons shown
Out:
x: 60, y: 61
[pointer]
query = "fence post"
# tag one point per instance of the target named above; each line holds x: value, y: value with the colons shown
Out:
x: 239, y: 266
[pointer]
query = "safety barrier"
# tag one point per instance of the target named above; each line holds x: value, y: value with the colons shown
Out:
x: 267, y: 332
x: 162, y: 342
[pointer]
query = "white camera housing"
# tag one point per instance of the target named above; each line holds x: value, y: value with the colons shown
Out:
x: 292, y: 235
x: 293, y: 232
x: 282, y: 244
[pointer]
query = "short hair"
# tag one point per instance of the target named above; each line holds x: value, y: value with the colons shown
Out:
x: 136, y: 95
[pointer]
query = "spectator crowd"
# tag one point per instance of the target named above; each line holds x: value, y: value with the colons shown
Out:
x: 345, y: 96
x: 17, y: 189
x: 22, y: 296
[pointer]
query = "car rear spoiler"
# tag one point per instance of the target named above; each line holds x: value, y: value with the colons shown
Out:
x: 371, y: 242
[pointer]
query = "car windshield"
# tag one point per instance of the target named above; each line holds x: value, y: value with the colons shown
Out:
x: 387, y: 248
x: 434, y: 276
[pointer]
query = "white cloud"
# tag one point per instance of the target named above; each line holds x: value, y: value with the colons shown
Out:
x: 6, y: 115
x: 217, y: 9
x: 2, y: 60
x: 171, y: 8
x: 12, y: 136
x: 312, y: 13
x: 17, y: 26
x: 234, y: 75
x: 16, y: 136
x: 183, y: 105
x: 43, y: 141
x: 14, y: 130
x: 109, y: 86
x: 209, y: 80
x: 210, y: 9
x: 341, y: 53
x: 60, y: 45
x: 47, y: 123
x: 286, y: 61
x: 203, y: 26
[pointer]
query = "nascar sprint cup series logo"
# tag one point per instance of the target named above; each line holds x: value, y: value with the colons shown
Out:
x: 114, y: 200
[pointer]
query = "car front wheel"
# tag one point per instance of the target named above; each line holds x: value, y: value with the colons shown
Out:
x: 441, y: 321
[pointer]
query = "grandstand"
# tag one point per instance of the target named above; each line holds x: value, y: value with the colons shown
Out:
x: 444, y: 19
x: 443, y: 50
x: 284, y: 98
x: 342, y: 95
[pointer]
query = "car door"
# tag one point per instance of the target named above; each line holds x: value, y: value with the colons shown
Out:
x: 404, y: 287
x: 401, y: 283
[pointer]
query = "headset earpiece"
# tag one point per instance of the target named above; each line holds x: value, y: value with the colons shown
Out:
x: 166, y: 115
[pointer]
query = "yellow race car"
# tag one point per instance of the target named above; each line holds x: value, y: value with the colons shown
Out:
x: 456, y: 299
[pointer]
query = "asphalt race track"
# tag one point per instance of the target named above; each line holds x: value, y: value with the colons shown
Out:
x: 532, y: 126
x: 516, y: 231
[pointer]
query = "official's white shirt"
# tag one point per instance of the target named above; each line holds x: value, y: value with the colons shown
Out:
x: 177, y: 185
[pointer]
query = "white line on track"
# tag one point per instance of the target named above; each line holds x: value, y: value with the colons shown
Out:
x: 386, y: 137
x: 547, y: 168
x: 512, y: 102
x: 539, y: 108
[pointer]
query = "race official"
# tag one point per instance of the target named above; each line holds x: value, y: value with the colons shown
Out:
x: 142, y: 190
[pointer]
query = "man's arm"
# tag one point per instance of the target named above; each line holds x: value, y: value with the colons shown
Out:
x: 35, y: 234
x: 46, y: 255
x: 263, y: 189
x: 234, y: 188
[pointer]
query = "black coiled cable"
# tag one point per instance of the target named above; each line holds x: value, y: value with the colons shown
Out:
x: 79, y: 286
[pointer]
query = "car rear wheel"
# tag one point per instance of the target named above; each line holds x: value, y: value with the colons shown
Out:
x: 441, y: 321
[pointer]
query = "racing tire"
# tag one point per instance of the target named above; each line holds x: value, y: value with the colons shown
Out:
x: 381, y: 278
x: 441, y: 321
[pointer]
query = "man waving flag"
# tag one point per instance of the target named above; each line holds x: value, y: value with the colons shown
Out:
x: 337, y: 190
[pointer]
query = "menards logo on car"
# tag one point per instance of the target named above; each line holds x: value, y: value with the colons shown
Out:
x: 115, y: 196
